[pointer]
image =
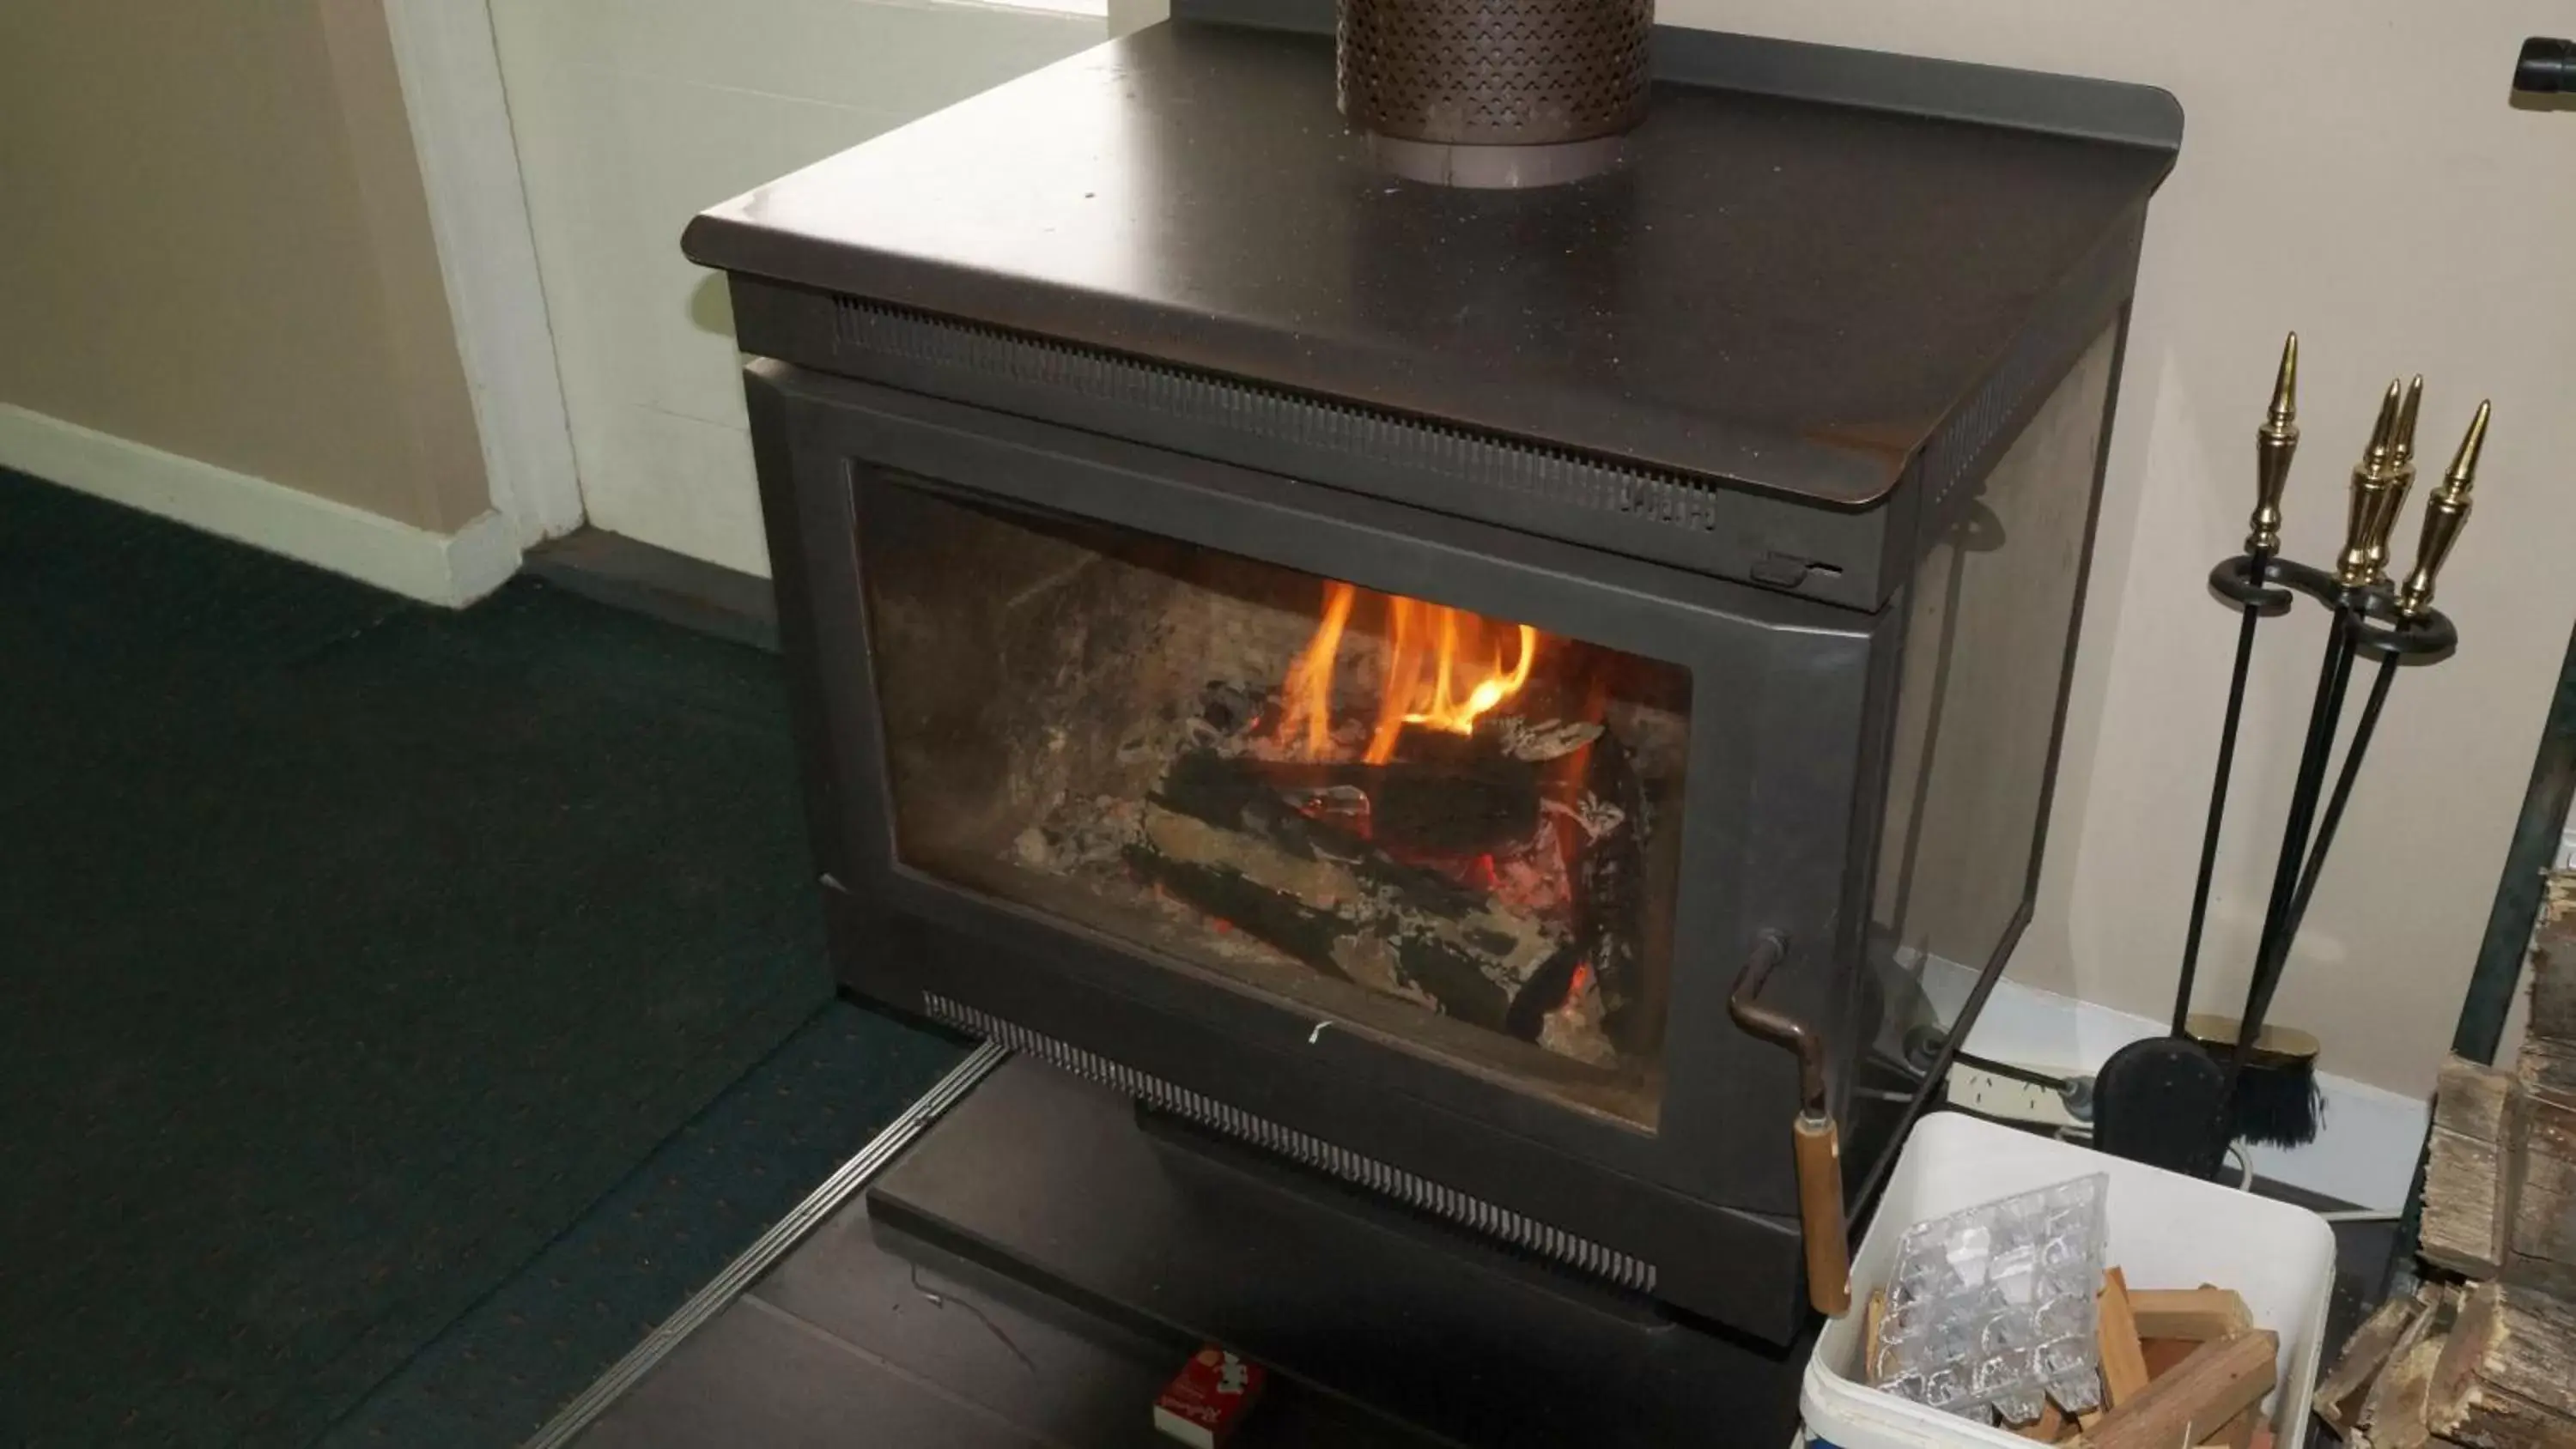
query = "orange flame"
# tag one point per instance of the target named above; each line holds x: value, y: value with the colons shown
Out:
x: 1463, y: 653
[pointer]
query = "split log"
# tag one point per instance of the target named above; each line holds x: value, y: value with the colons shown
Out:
x: 2548, y: 1062
x: 2237, y: 1433
x: 2397, y: 1417
x: 2124, y: 1363
x: 2396, y: 1403
x: 2471, y: 1169
x: 2197, y: 1314
x: 1448, y: 806
x: 1610, y: 877
x: 2342, y: 1391
x: 2539, y: 1195
x: 2507, y: 1376
x: 2219, y: 1381
x: 2162, y: 1354
x: 2500, y: 1180
x: 1217, y: 836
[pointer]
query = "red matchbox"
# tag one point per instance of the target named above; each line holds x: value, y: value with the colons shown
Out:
x: 1208, y: 1397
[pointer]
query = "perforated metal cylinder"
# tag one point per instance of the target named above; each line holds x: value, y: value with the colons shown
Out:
x: 1494, y: 72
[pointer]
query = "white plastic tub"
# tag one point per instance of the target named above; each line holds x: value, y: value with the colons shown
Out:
x: 2166, y: 1231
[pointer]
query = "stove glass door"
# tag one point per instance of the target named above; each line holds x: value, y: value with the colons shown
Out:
x: 1458, y: 830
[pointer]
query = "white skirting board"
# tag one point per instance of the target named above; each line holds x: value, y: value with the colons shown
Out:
x: 2366, y: 1146
x: 450, y: 569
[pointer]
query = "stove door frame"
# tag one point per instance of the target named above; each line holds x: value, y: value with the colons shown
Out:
x: 1785, y: 743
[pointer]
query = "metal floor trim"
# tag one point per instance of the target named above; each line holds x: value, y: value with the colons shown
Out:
x: 775, y: 1244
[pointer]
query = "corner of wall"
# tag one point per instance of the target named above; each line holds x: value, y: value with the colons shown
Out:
x: 452, y: 569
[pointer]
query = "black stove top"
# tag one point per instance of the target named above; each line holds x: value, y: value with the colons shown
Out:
x: 1808, y: 265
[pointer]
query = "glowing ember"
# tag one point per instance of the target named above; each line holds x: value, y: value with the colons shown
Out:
x: 1444, y: 668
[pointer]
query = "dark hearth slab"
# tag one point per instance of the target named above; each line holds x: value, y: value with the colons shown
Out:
x: 1049, y: 1182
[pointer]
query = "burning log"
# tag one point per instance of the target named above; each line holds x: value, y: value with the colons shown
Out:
x: 1610, y: 875
x: 1218, y: 835
x: 1448, y: 806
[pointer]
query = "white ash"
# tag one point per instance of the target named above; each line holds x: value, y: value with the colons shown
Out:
x: 1536, y: 743
x: 1597, y: 817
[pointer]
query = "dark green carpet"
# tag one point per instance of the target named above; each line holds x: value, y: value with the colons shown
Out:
x: 500, y: 1372
x: 349, y: 951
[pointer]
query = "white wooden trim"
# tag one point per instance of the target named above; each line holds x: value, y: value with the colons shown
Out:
x: 451, y: 569
x: 2365, y: 1150
x: 478, y: 214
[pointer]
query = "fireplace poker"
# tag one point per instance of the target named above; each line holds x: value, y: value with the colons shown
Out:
x: 2276, y: 443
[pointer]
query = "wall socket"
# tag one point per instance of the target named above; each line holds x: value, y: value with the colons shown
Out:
x: 1980, y: 1090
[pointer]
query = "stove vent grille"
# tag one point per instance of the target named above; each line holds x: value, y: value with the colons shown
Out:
x: 1057, y: 373
x: 1387, y: 1181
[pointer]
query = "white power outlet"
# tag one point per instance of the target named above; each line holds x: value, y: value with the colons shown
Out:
x: 1980, y: 1090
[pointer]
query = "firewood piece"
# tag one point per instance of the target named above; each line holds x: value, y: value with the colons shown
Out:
x: 1217, y: 835
x: 2539, y: 1200
x: 2197, y: 1314
x: 2048, y: 1426
x: 2548, y: 1061
x: 2124, y: 1363
x: 1873, y: 1322
x: 2162, y: 1354
x: 2220, y: 1380
x: 2340, y: 1393
x: 2237, y: 1433
x: 1448, y: 805
x: 2506, y: 1378
x: 2389, y: 1409
x: 1291, y: 903
x: 2472, y: 1167
x: 2396, y: 1417
x: 1610, y: 872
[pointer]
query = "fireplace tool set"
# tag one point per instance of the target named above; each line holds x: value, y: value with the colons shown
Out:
x: 2179, y: 1100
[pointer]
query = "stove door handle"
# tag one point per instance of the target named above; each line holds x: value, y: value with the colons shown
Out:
x: 1814, y: 1137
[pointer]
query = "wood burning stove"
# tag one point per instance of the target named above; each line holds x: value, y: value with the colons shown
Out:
x: 1361, y: 665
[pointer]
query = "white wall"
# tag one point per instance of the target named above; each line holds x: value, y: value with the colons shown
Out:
x: 631, y: 116
x: 224, y: 301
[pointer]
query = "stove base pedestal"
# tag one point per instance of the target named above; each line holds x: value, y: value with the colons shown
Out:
x: 1054, y: 1185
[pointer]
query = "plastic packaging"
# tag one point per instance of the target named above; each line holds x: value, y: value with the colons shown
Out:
x: 1992, y: 1307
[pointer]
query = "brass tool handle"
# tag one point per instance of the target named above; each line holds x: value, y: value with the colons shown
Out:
x: 1817, y: 1142
x: 1820, y: 1213
x: 2444, y: 513
x: 2376, y: 493
x: 2275, y: 444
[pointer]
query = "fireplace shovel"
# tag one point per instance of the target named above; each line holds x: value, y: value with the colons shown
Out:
x: 2155, y: 1099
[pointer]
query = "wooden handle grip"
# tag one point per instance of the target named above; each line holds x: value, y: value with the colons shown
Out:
x: 1820, y: 1214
